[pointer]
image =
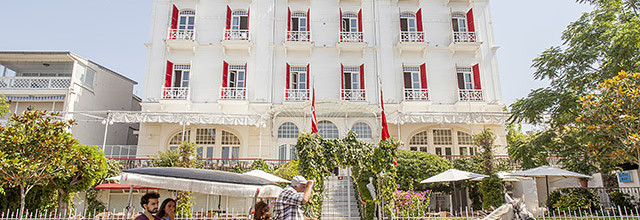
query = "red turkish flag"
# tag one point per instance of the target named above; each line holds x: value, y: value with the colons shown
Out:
x: 385, y: 128
x: 314, y: 121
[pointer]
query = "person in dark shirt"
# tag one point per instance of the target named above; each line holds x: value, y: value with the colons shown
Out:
x: 149, y: 203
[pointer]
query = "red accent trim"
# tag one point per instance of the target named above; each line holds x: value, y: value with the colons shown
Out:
x: 169, y: 74
x: 476, y: 77
x: 362, y: 76
x: 289, y: 20
x: 340, y: 21
x: 228, y: 18
x: 340, y: 178
x: 248, y: 19
x: 314, y: 120
x: 360, y: 20
x: 419, y: 20
x: 470, y: 22
x: 308, y: 19
x: 423, y: 75
x: 341, y: 79
x: 225, y: 72
x: 288, y: 78
x: 174, y: 18
x: 308, y: 76
x: 246, y: 73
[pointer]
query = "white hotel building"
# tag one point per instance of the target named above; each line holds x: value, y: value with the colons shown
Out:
x: 236, y: 75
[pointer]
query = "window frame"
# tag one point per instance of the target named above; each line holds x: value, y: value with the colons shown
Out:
x: 466, y: 75
x: 409, y: 17
x: 189, y: 16
x: 237, y: 16
x: 461, y: 20
x: 299, y: 18
x: 294, y: 73
x: 353, y: 73
x: 234, y: 73
x: 350, y: 22
x: 179, y: 71
x: 414, y: 74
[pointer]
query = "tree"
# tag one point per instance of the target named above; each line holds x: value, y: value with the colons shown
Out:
x: 490, y: 187
x: 415, y: 166
x: 523, y: 149
x: 35, y: 148
x: 185, y: 156
x: 90, y: 167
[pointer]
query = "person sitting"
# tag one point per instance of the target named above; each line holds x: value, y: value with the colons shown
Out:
x: 167, y: 209
x: 149, y: 203
x: 262, y: 211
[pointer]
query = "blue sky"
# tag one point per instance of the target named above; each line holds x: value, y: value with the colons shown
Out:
x: 113, y: 32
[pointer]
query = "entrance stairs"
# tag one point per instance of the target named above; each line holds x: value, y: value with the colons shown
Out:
x: 339, y: 199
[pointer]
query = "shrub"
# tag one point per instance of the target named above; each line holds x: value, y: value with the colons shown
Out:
x: 572, y: 199
x: 491, y: 191
x: 410, y: 203
x: 288, y: 170
x: 415, y: 166
x: 621, y: 199
x: 260, y: 164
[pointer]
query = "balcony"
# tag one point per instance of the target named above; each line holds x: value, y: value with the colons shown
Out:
x: 298, y: 41
x: 464, y: 37
x: 236, y: 40
x: 296, y: 95
x: 304, y: 36
x: 179, y: 34
x: 464, y: 41
x: 233, y: 93
x: 473, y: 95
x: 412, y: 41
x: 411, y: 36
x: 351, y: 37
x: 175, y: 93
x: 236, y: 35
x: 416, y: 94
x: 352, y: 94
x: 351, y: 41
x: 35, y: 82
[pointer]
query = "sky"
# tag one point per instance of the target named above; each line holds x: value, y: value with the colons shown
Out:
x: 112, y: 33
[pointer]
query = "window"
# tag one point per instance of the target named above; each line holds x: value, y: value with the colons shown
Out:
x: 287, y: 152
x: 350, y: 22
x: 299, y: 21
x: 362, y: 130
x: 459, y: 21
x: 230, y: 146
x: 239, y: 20
x: 229, y: 139
x: 288, y: 130
x: 230, y: 153
x: 464, y: 138
x: 419, y: 141
x: 327, y: 129
x: 351, y: 76
x: 465, y: 78
x: 408, y: 22
x: 205, y: 136
x: 187, y: 20
x: 88, y: 77
x: 412, y: 77
x: 442, y: 137
x: 181, y: 75
x: 236, y: 76
x: 298, y: 75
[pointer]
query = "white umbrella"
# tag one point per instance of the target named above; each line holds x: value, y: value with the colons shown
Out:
x: 506, y: 176
x: 546, y: 172
x: 266, y: 176
x: 453, y: 175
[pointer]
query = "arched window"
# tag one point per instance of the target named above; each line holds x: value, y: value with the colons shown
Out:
x: 443, y: 140
x: 459, y: 21
x: 288, y: 130
x: 363, y: 130
x: 349, y: 22
x: 299, y: 21
x: 177, y: 139
x: 419, y: 142
x: 328, y: 130
x: 206, y: 140
x: 408, y: 22
x: 465, y: 144
x: 230, y: 146
x: 187, y: 20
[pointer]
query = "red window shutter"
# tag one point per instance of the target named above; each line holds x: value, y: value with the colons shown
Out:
x: 470, y: 22
x: 340, y: 21
x: 169, y: 74
x: 288, y: 75
x: 245, y: 75
x: 309, y: 20
x: 419, y: 20
x: 289, y: 20
x: 228, y: 18
x: 308, y: 76
x: 174, y: 18
x: 225, y: 71
x: 476, y: 77
x: 360, y: 20
x: 423, y: 75
x: 341, y: 71
x: 362, y: 76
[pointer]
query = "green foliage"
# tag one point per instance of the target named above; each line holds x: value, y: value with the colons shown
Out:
x: 260, y: 164
x: 623, y: 200
x: 408, y: 203
x: 43, y: 198
x: 184, y: 156
x: 4, y: 106
x: 237, y: 169
x: 185, y: 204
x: 474, y: 164
x: 524, y: 149
x: 491, y: 191
x: 166, y: 159
x: 573, y: 199
x: 415, y: 166
x: 485, y: 140
x: 94, y: 205
x: 35, y: 147
x: 288, y: 170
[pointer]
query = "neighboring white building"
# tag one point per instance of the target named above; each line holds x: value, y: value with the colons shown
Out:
x: 78, y: 88
x: 236, y: 75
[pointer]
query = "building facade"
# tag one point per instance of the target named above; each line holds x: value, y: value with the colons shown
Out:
x: 236, y: 76
x: 78, y: 88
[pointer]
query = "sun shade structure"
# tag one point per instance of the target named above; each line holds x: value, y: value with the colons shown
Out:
x: 546, y: 172
x: 120, y: 186
x: 452, y: 175
x: 506, y: 176
x: 201, y: 181
x: 266, y: 176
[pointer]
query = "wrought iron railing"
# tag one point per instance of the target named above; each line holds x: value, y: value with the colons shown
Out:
x: 35, y: 82
x: 236, y: 34
x: 298, y: 35
x: 181, y: 34
x: 350, y: 36
x: 119, y: 151
x: 353, y: 94
x: 416, y: 94
x: 296, y: 95
x: 411, y: 36
x: 464, y: 36
x: 470, y: 95
x: 233, y: 93
x: 175, y: 93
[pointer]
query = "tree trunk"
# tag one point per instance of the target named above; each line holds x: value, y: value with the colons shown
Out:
x: 63, y: 205
x: 23, y: 195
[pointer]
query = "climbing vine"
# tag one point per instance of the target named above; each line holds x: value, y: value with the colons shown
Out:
x: 318, y: 157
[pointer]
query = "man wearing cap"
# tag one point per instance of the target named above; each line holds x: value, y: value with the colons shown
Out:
x: 289, y: 204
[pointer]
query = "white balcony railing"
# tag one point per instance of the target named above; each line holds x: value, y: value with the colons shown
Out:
x: 236, y: 35
x: 299, y: 36
x: 181, y: 34
x: 35, y: 82
x: 411, y: 36
x: 233, y: 93
x: 353, y: 94
x: 350, y: 36
x: 416, y: 94
x: 464, y: 36
x: 175, y: 93
x: 470, y: 94
x: 296, y: 95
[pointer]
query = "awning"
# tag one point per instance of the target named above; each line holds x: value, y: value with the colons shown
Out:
x: 448, y: 117
x: 185, y: 117
x: 119, y: 186
x: 203, y: 181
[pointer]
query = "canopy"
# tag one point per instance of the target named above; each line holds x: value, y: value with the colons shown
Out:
x: 266, y: 176
x: 545, y: 171
x: 452, y: 175
x: 506, y: 176
x: 119, y: 186
x: 201, y: 181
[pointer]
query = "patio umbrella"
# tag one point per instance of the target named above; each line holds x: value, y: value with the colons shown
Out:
x: 505, y: 176
x: 266, y: 176
x: 546, y: 172
x: 453, y: 175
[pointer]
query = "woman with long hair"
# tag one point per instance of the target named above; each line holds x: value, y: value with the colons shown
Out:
x: 167, y: 210
x: 262, y: 211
